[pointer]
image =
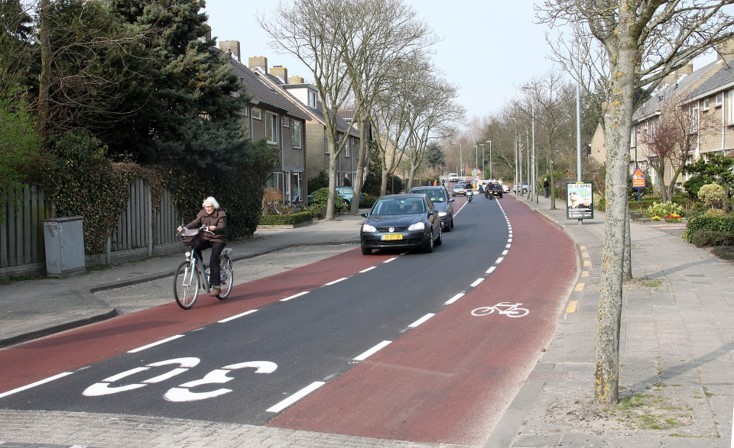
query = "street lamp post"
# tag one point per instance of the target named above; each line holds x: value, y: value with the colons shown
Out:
x: 461, y: 162
x: 491, y: 175
x: 476, y: 157
x: 483, y: 176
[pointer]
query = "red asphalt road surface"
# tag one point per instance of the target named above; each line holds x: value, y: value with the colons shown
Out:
x: 33, y: 361
x: 450, y: 379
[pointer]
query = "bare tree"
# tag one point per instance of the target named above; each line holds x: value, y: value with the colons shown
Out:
x: 432, y: 112
x: 643, y: 41
x: 381, y: 33
x: 309, y: 30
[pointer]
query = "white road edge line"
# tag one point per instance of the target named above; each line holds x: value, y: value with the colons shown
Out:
x: 499, y: 260
x: 302, y: 293
x: 491, y: 269
x: 454, y: 298
x: 367, y: 270
x: 372, y: 351
x: 421, y: 320
x: 336, y: 281
x: 295, y: 397
x: 163, y: 341
x: 476, y: 282
x: 32, y: 385
x: 390, y: 259
x: 237, y: 316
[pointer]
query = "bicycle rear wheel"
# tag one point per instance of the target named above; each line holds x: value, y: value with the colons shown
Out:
x: 227, y: 278
x: 186, y: 285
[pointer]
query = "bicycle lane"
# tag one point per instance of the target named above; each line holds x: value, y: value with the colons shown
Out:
x: 43, y: 358
x: 450, y: 379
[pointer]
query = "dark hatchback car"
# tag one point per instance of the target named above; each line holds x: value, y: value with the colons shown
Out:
x: 401, y: 221
x: 440, y: 198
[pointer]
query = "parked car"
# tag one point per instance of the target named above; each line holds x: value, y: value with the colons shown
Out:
x: 524, y: 188
x: 505, y: 188
x: 460, y: 189
x: 408, y: 221
x: 439, y: 196
x: 346, y: 194
x: 453, y: 177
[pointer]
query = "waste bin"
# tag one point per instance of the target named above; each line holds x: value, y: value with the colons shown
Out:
x: 64, y: 241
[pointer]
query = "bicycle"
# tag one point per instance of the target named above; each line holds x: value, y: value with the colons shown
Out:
x: 506, y: 308
x: 191, y: 275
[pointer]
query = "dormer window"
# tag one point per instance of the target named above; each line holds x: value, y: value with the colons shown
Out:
x: 311, y: 99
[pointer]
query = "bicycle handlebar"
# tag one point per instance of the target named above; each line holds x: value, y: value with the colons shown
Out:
x: 182, y: 229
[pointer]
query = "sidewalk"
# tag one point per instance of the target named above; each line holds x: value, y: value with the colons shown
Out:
x: 677, y: 369
x: 675, y: 347
x: 35, y: 308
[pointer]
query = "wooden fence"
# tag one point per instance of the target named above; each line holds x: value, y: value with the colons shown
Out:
x: 142, y: 231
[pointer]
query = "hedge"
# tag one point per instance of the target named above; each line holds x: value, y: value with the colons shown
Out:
x: 716, y: 230
x: 285, y: 219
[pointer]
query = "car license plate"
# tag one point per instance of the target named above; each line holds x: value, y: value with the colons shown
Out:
x: 392, y: 237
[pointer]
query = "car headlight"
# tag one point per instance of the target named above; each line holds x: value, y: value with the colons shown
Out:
x: 367, y: 228
x: 417, y: 226
x: 441, y: 214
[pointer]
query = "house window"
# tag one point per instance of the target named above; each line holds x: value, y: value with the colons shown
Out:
x: 296, y: 134
x: 286, y: 122
x: 705, y: 104
x: 256, y: 113
x: 348, y: 148
x: 311, y: 99
x: 271, y: 127
x: 719, y: 99
x: 693, y: 118
x: 730, y: 107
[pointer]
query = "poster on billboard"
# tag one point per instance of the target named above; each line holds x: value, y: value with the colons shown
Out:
x: 579, y: 200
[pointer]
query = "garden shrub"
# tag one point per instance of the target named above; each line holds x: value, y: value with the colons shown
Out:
x: 663, y: 209
x: 717, y: 229
x: 291, y: 218
x: 713, y: 195
x: 705, y: 238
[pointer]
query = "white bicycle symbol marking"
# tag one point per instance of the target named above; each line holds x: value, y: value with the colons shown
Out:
x: 506, y: 308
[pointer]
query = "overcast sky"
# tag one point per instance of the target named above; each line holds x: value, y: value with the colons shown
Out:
x: 487, y: 49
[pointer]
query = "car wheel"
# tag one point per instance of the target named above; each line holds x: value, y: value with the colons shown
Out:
x: 366, y: 251
x: 452, y: 222
x: 428, y: 245
x: 439, y: 240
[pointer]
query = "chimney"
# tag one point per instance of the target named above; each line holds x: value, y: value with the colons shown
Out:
x: 232, y: 47
x: 725, y: 50
x: 280, y: 71
x: 296, y: 80
x: 260, y: 62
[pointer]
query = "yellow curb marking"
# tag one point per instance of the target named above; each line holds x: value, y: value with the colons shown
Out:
x: 579, y: 287
x: 571, y: 308
x: 587, y: 263
x: 584, y: 274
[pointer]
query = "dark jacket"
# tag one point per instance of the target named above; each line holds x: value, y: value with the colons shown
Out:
x: 218, y: 218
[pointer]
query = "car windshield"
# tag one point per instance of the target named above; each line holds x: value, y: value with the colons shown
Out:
x: 399, y: 207
x: 434, y: 194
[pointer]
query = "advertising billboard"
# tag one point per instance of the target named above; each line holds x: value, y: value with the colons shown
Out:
x: 579, y: 200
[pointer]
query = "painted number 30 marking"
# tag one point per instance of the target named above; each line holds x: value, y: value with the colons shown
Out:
x: 183, y: 392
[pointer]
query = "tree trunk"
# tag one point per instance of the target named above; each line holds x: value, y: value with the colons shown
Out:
x: 618, y: 119
x: 44, y: 81
x: 362, y: 158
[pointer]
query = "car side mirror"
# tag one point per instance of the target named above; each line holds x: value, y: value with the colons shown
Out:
x: 364, y: 215
x: 451, y: 200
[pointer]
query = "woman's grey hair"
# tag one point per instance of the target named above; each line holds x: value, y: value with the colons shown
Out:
x: 211, y: 201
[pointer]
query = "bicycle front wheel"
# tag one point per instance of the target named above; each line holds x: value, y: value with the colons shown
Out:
x: 227, y: 278
x: 186, y: 285
x: 482, y: 311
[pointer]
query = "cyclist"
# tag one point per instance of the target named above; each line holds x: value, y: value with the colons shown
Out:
x: 215, y: 220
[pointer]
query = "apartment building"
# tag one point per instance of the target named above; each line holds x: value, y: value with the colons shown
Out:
x: 307, y: 96
x: 278, y: 120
